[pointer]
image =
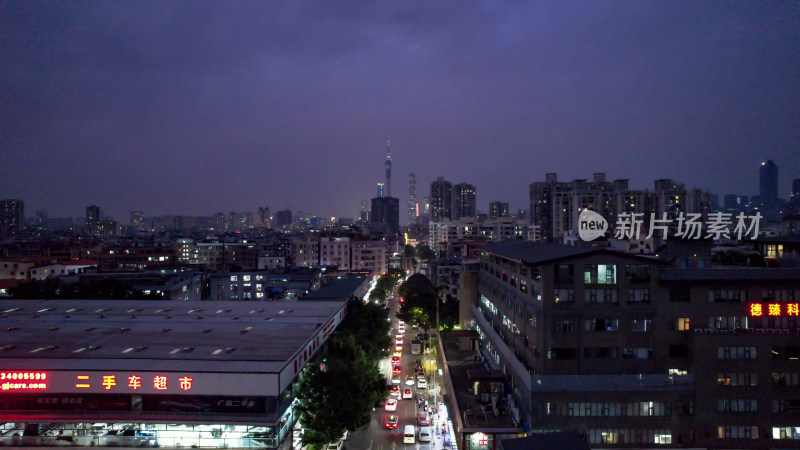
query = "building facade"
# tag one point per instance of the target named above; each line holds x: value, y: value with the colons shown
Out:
x: 624, y: 350
x: 12, y: 217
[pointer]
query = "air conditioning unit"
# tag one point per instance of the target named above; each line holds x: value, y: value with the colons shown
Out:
x: 698, y: 331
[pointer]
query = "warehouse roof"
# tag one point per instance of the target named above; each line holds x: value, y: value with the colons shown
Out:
x: 213, y: 336
x: 338, y: 289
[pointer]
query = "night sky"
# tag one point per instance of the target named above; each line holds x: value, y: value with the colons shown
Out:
x: 195, y: 108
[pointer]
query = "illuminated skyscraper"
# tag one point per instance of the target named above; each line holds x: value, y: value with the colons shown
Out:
x: 92, y: 218
x: 413, y: 208
x: 464, y: 201
x: 137, y: 219
x: 388, y: 165
x: 12, y: 217
x: 441, y: 200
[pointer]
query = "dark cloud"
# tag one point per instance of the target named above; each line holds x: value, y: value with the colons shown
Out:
x: 193, y: 107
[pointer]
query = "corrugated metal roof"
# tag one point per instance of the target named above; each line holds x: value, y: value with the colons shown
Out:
x: 338, y: 289
x: 131, y: 334
x: 729, y: 274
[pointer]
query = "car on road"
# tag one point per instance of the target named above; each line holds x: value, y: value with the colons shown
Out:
x: 425, y: 434
x: 422, y: 418
x: 398, y: 351
x: 422, y: 384
x: 401, y: 329
x: 407, y: 394
x: 395, y: 392
x: 390, y: 422
x: 396, y: 370
x: 395, y: 360
x: 395, y: 379
x: 398, y: 341
x: 409, y: 434
x: 409, y: 380
x: 338, y: 445
x: 391, y: 405
x: 421, y: 377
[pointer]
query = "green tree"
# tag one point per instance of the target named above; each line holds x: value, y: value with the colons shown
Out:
x: 419, y: 302
x: 377, y: 295
x: 409, y: 250
x: 341, y: 393
x: 368, y: 323
x: 449, y: 314
x: 424, y: 253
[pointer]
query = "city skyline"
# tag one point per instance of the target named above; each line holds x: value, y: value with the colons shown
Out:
x: 134, y: 107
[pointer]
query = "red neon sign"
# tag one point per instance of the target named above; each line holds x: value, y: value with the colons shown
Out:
x: 22, y: 381
x: 106, y: 382
x: 774, y: 310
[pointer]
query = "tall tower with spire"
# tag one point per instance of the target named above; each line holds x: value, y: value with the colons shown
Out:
x: 388, y: 165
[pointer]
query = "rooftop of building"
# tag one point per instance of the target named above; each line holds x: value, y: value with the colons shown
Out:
x: 464, y: 371
x: 338, y: 289
x: 789, y: 239
x: 208, y: 336
x: 534, y: 253
x: 729, y: 274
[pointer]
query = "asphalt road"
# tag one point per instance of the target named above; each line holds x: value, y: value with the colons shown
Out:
x: 376, y: 437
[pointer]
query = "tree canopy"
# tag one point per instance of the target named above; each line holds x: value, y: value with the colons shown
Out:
x: 420, y: 298
x: 341, y: 392
x: 424, y: 253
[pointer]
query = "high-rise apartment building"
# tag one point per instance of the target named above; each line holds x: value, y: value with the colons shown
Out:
x: 264, y: 219
x: 464, y: 201
x: 795, y: 198
x: 768, y: 188
x: 735, y: 204
x: 385, y: 215
x: 92, y: 218
x: 137, y: 219
x: 441, y: 200
x: 284, y: 218
x: 12, y: 217
x: 413, y: 206
x: 556, y: 206
x: 498, y: 210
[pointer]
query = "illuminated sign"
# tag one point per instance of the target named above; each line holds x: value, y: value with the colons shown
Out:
x: 29, y: 380
x: 22, y: 381
x: 774, y: 310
